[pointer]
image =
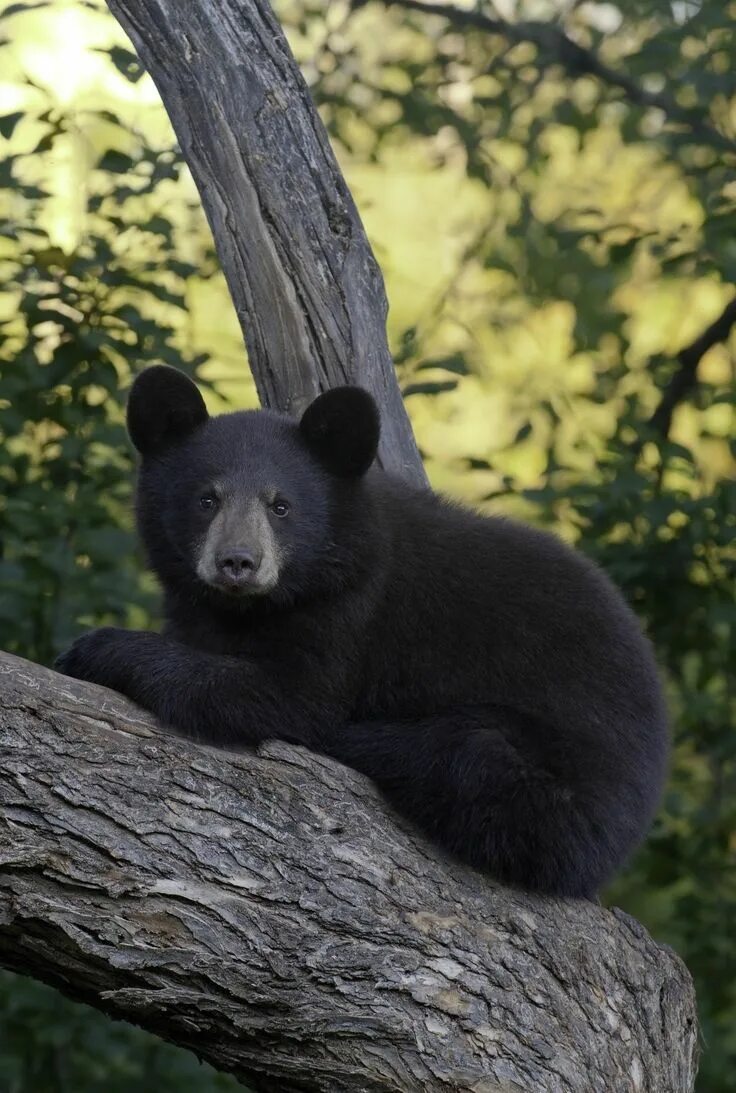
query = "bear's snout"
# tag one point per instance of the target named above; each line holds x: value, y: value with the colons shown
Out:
x: 237, y: 566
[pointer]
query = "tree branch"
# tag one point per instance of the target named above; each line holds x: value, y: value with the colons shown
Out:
x: 305, y: 284
x: 269, y: 912
x: 685, y: 377
x: 557, y: 47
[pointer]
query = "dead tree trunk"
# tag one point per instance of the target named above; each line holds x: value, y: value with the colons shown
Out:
x: 305, y: 284
x: 270, y: 913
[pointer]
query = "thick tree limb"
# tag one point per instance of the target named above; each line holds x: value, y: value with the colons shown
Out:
x: 267, y: 911
x: 305, y: 284
x: 557, y: 47
x: 685, y: 377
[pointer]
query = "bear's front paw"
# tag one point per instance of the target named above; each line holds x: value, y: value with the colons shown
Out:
x: 91, y: 657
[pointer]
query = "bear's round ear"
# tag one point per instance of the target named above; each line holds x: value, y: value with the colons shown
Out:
x: 163, y: 406
x: 341, y: 429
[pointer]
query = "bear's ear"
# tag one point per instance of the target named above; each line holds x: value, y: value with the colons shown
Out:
x: 341, y: 429
x: 163, y: 406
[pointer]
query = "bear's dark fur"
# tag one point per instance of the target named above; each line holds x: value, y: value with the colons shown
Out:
x: 489, y: 679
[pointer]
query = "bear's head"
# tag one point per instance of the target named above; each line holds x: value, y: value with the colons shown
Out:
x: 250, y: 504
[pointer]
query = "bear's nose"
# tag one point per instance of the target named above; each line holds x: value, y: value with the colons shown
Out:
x: 237, y: 565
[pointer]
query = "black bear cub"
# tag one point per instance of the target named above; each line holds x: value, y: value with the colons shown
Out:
x: 491, y: 681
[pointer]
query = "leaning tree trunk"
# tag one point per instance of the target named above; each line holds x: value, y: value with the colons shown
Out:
x: 268, y: 911
x: 305, y: 284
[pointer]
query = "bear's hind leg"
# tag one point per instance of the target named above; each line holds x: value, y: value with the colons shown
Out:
x: 494, y: 788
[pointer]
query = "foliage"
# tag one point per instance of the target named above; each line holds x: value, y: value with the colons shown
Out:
x: 673, y: 552
x: 78, y: 329
x: 553, y: 206
x: 53, y: 1046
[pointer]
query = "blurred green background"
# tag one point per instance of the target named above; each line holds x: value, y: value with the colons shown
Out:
x: 550, y: 240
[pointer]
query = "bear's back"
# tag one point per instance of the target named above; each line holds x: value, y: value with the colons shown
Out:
x: 476, y: 608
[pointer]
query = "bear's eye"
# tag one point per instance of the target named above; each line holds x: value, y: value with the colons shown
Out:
x: 207, y: 502
x: 280, y: 508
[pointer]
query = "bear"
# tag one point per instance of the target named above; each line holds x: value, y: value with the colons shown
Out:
x: 488, y: 678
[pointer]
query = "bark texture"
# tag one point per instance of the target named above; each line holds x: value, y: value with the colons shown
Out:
x: 269, y: 912
x: 305, y: 284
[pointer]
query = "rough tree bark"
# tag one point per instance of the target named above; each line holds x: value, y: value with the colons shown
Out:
x: 305, y: 284
x: 269, y: 912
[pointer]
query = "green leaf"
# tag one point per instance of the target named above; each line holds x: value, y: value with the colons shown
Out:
x: 456, y: 363
x: 428, y: 388
x: 16, y: 9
